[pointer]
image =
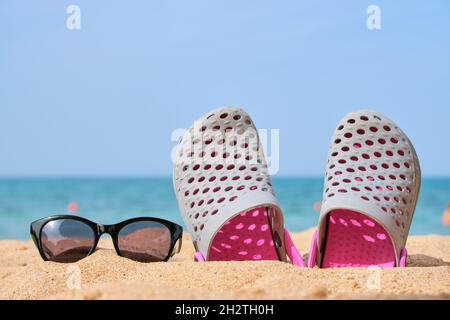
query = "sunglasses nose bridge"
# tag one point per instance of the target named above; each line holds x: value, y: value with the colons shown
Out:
x: 105, y: 228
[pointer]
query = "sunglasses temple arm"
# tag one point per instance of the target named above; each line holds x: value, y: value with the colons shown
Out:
x: 33, y: 237
x: 178, y: 244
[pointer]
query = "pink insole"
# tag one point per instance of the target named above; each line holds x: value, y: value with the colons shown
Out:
x: 355, y: 240
x: 245, y: 237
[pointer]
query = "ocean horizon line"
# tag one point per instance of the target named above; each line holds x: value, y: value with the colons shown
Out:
x: 166, y: 176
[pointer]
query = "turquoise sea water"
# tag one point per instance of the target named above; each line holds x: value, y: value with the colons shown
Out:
x: 110, y: 200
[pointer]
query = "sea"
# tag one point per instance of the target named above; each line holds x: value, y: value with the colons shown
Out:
x: 111, y: 200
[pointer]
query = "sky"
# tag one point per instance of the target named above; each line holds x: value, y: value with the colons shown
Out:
x: 103, y: 100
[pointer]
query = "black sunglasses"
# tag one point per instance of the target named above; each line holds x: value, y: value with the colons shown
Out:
x: 65, y: 238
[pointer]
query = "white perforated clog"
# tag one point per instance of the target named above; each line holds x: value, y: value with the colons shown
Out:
x: 371, y: 189
x: 224, y: 191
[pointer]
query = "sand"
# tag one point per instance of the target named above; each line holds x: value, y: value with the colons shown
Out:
x: 104, y: 275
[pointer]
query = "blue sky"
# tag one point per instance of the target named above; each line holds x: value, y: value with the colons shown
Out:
x: 104, y: 100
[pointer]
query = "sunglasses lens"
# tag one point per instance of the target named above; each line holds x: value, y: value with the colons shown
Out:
x: 67, y: 240
x: 145, y: 241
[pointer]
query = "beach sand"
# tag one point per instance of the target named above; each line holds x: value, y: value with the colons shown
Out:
x: 104, y: 275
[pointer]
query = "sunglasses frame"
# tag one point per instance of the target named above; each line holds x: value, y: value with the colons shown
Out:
x: 176, y: 232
